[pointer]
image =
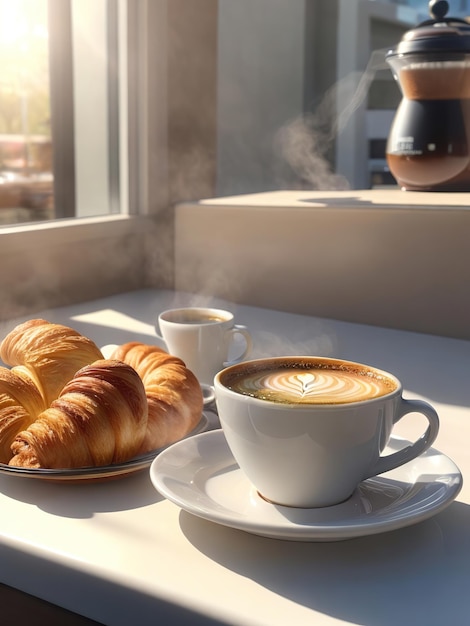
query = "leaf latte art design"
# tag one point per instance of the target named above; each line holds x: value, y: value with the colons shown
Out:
x: 322, y: 386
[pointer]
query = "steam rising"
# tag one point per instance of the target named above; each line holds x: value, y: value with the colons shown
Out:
x: 306, y: 143
x: 376, y: 63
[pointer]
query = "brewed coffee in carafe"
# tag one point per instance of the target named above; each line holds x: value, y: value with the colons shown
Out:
x: 428, y: 148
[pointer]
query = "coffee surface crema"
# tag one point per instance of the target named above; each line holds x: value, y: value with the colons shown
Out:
x: 196, y: 318
x: 314, y: 384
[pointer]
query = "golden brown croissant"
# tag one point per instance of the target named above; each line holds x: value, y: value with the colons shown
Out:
x: 173, y: 392
x: 49, y: 353
x: 20, y: 404
x: 99, y: 418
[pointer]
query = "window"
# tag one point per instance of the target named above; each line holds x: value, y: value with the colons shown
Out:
x: 61, y: 118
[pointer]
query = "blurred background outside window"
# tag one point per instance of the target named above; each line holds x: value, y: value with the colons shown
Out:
x: 60, y: 117
x: 26, y: 185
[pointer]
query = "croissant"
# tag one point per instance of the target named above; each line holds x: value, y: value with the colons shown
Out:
x: 50, y: 354
x: 173, y: 393
x: 99, y: 418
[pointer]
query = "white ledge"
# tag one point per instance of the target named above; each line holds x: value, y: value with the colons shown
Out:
x: 392, y: 199
x: 382, y: 257
x: 20, y: 237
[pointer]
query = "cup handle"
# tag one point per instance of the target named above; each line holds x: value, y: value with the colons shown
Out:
x: 239, y: 330
x: 391, y: 461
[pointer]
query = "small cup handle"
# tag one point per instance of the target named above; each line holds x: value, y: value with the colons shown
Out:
x: 239, y: 330
x: 391, y: 461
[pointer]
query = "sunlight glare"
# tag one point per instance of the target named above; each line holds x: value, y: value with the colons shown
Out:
x: 19, y: 20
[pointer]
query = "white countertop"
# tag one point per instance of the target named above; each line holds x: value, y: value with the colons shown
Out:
x: 119, y: 553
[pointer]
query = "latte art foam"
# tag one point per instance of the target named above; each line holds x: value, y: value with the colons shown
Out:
x: 312, y: 386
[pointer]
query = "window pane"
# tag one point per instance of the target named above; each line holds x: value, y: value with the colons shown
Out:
x: 25, y: 132
x: 59, y: 109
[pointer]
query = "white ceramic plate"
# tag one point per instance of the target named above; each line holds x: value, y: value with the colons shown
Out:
x: 201, y: 476
x: 105, y: 472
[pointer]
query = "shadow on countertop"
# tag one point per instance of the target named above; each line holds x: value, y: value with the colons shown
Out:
x: 418, y: 575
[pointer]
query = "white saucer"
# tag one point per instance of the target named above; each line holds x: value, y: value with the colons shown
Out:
x: 201, y: 476
x: 208, y: 394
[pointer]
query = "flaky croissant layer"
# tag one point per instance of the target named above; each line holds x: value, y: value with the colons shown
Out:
x: 173, y: 393
x: 20, y: 404
x: 50, y: 353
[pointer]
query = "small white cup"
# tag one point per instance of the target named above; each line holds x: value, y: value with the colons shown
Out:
x: 317, y: 428
x: 204, y: 338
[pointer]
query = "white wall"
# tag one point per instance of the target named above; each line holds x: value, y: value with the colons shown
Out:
x: 260, y: 88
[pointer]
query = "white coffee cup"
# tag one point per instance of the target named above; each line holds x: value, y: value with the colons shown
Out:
x: 204, y: 338
x: 307, y: 430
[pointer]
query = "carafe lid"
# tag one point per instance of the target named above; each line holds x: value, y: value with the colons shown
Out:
x: 441, y: 34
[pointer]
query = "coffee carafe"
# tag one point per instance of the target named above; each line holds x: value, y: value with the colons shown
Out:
x: 428, y: 148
